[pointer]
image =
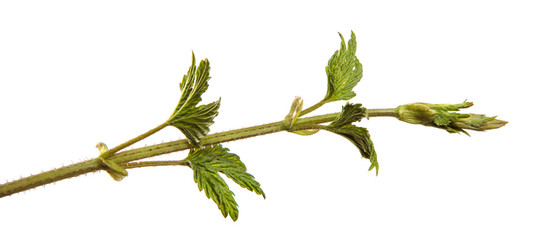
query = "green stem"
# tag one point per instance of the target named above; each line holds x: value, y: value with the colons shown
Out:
x: 51, y: 176
x: 382, y: 112
x: 125, y: 157
x: 312, y: 108
x: 128, y: 143
x: 212, y: 139
x: 154, y: 164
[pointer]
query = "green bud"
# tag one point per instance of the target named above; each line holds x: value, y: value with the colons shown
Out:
x: 480, y: 122
x: 445, y: 116
x: 416, y: 113
x: 295, y: 111
x: 101, y: 147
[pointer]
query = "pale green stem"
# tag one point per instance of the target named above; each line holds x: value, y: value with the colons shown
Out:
x: 382, y: 112
x: 312, y: 108
x: 125, y: 157
x: 128, y: 143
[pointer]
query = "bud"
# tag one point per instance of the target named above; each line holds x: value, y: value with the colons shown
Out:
x: 479, y: 122
x: 295, y: 111
x: 101, y: 147
x: 445, y: 116
x: 416, y: 113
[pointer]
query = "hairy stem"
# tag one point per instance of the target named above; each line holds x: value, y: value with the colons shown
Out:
x: 51, y: 176
x: 212, y: 139
x: 124, y: 158
x: 154, y: 164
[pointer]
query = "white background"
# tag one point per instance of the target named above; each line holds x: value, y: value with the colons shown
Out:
x: 74, y: 73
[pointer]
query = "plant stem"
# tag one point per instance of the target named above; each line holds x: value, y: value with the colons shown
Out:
x: 154, y: 164
x: 312, y: 108
x: 51, y: 176
x: 212, y: 139
x: 128, y: 143
x: 124, y: 158
x: 382, y: 112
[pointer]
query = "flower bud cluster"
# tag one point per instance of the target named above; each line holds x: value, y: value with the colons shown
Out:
x: 445, y: 116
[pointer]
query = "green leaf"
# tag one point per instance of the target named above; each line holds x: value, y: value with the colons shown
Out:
x: 193, y: 85
x: 194, y: 121
x: 344, y: 71
x: 360, y: 137
x: 207, y: 163
x: 451, y: 107
x: 444, y: 117
x: 357, y: 135
x: 349, y: 114
x: 217, y: 190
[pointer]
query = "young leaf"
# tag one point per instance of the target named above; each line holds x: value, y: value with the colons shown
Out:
x: 217, y: 190
x: 344, y: 71
x: 207, y: 163
x: 349, y: 114
x: 193, y: 85
x: 360, y: 137
x: 194, y: 121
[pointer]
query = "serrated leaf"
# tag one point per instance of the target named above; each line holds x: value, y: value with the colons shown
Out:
x: 360, y: 137
x: 207, y: 163
x: 344, y: 71
x: 444, y: 116
x: 195, y: 123
x: 192, y: 120
x: 193, y: 85
x: 216, y: 189
x: 349, y: 114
